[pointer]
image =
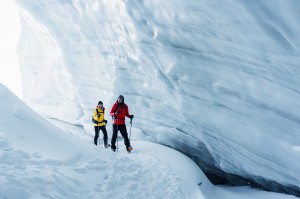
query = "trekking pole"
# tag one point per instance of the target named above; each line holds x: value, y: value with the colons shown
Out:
x: 98, y: 139
x: 102, y: 139
x: 112, y: 128
x: 99, y: 142
x: 117, y: 135
x: 130, y: 128
x: 99, y: 136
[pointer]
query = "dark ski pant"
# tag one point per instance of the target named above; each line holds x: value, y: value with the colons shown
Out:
x: 103, y: 129
x: 123, y: 130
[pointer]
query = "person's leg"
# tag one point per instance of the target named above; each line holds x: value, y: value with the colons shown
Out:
x: 114, y: 137
x: 103, y: 129
x: 96, y: 134
x: 124, y: 134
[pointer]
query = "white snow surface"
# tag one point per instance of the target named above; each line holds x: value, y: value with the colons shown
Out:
x: 219, y: 75
x: 39, y: 160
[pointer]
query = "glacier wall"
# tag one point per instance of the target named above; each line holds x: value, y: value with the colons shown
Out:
x: 217, y: 80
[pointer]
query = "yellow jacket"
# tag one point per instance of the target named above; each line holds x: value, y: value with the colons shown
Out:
x: 99, y: 116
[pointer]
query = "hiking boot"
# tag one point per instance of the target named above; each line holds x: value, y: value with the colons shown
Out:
x: 129, y: 149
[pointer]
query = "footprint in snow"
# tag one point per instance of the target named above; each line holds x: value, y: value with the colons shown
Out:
x: 80, y: 170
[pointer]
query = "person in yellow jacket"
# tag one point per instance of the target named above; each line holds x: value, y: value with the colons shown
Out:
x: 99, y: 123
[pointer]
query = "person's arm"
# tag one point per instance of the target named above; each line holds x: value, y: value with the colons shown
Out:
x: 127, y: 113
x: 113, y: 110
x: 104, y: 120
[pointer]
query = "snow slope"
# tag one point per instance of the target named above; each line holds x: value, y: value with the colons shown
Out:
x: 39, y: 160
x: 217, y: 80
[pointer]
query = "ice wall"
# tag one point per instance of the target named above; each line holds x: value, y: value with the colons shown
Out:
x: 217, y: 80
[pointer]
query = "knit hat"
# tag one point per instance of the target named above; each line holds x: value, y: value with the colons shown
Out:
x: 100, y: 102
x: 122, y: 98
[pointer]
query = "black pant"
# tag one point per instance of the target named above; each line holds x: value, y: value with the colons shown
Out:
x: 123, y: 130
x: 103, y: 129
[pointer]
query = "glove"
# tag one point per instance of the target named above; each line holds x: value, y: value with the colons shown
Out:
x: 131, y: 116
x: 116, y: 113
x: 98, y: 115
x: 105, y: 121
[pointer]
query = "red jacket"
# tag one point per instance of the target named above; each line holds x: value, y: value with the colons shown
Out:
x: 122, y: 111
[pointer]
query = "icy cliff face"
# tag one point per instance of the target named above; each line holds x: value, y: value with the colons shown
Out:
x: 217, y: 80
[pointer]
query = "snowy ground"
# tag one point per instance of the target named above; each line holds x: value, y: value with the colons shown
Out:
x: 39, y: 160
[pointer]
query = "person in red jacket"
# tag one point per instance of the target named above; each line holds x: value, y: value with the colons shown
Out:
x: 119, y: 111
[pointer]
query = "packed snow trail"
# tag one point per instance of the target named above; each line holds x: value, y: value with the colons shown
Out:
x: 106, y: 175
